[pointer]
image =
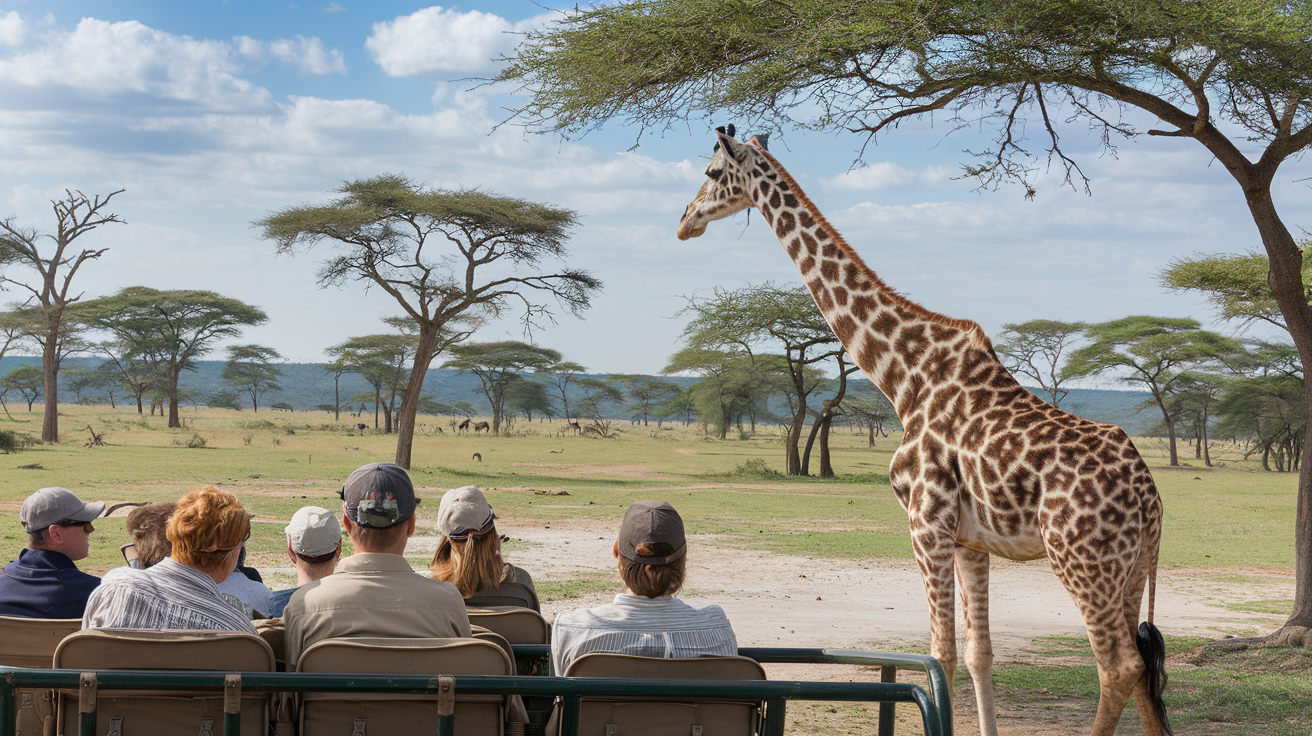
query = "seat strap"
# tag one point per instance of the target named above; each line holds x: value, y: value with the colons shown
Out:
x: 697, y: 730
x: 207, y: 727
x: 612, y: 729
x: 115, y: 726
x: 359, y: 727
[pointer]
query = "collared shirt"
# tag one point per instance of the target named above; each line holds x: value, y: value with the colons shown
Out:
x: 278, y: 601
x: 43, y: 583
x: 645, y: 627
x: 249, y: 595
x: 372, y: 594
x: 167, y: 595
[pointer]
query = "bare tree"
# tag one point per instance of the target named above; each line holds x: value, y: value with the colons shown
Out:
x: 75, y: 215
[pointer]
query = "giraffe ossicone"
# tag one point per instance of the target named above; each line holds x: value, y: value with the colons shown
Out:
x: 984, y: 467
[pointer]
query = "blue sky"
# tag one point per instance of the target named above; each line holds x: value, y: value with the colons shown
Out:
x: 212, y: 115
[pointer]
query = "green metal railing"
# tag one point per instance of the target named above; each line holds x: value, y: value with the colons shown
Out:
x: 935, y: 715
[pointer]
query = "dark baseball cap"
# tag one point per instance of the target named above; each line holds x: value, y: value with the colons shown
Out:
x: 379, y: 495
x: 53, y: 505
x: 652, y: 522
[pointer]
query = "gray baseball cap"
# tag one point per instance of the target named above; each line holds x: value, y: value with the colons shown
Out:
x: 379, y: 495
x: 652, y: 522
x: 314, y: 531
x: 53, y: 505
x: 463, y: 510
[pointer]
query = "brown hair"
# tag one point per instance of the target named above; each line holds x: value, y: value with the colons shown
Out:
x: 207, y: 526
x: 318, y: 559
x: 473, y: 565
x: 653, y: 581
x: 148, y: 526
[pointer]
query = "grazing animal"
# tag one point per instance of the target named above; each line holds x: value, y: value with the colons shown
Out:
x: 985, y: 467
x: 482, y: 427
x: 478, y: 456
x: 575, y: 426
x: 464, y: 426
x: 362, y: 426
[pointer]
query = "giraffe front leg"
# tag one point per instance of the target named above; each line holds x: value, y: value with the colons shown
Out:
x: 973, y: 582
x: 934, y: 558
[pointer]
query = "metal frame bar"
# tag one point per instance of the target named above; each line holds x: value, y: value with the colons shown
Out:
x: 935, y: 711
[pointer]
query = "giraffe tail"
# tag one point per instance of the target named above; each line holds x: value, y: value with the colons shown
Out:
x: 1151, y: 645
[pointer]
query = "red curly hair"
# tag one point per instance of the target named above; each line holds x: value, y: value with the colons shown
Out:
x: 207, y: 525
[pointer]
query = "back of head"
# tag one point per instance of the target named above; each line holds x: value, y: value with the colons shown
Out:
x: 148, y: 526
x: 314, y: 535
x: 378, y: 499
x: 652, y: 549
x: 207, y: 525
x: 469, y: 553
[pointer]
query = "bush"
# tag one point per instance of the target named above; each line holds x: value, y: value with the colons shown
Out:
x: 11, y: 441
x: 195, y: 442
x: 756, y: 468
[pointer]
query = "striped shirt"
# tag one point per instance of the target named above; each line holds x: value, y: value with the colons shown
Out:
x: 167, y: 595
x: 646, y: 627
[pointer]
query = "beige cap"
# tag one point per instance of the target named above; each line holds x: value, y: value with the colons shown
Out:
x: 463, y: 510
x: 314, y: 531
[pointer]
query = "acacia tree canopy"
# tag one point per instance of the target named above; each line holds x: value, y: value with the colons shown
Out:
x: 499, y: 364
x: 441, y: 254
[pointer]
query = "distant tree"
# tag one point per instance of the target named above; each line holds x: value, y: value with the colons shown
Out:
x: 831, y: 408
x: 681, y: 405
x: 464, y: 408
x: 78, y: 380
x: 382, y: 361
x: 1035, y: 349
x: 250, y: 369
x: 733, y: 384
x: 646, y: 395
x: 560, y: 376
x: 225, y: 399
x: 598, y: 395
x: 529, y: 397
x: 108, y: 379
x: 170, y: 330
x: 336, y: 409
x: 870, y: 409
x: 363, y: 399
x: 283, y: 406
x: 432, y: 407
x: 441, y: 254
x: 497, y: 365
x: 1197, y: 394
x: 27, y: 380
x: 337, y: 368
x: 1156, y: 352
x: 75, y: 215
x: 137, y: 374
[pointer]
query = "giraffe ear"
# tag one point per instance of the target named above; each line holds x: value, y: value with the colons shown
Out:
x: 762, y: 141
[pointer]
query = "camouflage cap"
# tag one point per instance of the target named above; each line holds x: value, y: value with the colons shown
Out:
x: 378, y: 496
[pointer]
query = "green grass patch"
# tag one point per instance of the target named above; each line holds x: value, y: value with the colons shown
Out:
x: 1280, y: 606
x: 555, y: 590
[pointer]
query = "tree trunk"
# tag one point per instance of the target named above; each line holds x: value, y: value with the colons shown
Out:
x: 810, y: 441
x: 140, y: 408
x: 405, y: 418
x: 827, y: 418
x: 50, y: 376
x: 175, y: 422
x: 1286, y: 280
x: 337, y: 398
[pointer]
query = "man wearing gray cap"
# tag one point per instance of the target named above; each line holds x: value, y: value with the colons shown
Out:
x: 43, y: 582
x: 645, y: 620
x: 314, y: 544
x: 374, y: 592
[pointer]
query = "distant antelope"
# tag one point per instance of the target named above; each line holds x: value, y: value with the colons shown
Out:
x: 464, y: 426
x: 482, y: 427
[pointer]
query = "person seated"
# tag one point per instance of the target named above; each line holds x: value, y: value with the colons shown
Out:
x: 468, y: 554
x: 43, y: 582
x: 646, y: 619
x: 314, y: 544
x: 148, y: 526
x: 181, y: 591
x: 374, y: 592
x: 246, y: 590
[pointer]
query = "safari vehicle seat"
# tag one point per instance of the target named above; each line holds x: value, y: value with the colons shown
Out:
x: 518, y: 625
x: 161, y: 712
x: 31, y: 642
x: 374, y: 714
x: 656, y: 717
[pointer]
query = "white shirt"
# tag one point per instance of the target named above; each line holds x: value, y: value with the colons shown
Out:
x: 646, y: 627
x: 168, y: 595
x: 248, y: 594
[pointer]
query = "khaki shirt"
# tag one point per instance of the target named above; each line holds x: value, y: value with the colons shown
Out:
x: 372, y: 594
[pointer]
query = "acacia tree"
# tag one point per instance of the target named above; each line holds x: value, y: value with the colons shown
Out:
x: 441, y: 254
x: 75, y: 215
x: 497, y: 365
x: 1157, y: 353
x: 168, y: 331
x: 1230, y: 75
x: 27, y: 380
x: 250, y: 368
x: 381, y: 361
x: 338, y: 368
x: 647, y: 394
x: 1034, y: 349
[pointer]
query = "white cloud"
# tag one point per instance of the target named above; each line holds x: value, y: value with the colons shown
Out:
x: 308, y: 55
x: 885, y: 174
x: 332, y: 8
x: 12, y: 29
x: 438, y: 39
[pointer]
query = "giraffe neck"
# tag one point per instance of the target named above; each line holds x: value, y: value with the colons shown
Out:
x: 901, y: 346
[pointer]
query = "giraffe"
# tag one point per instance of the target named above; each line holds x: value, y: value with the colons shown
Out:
x: 985, y: 467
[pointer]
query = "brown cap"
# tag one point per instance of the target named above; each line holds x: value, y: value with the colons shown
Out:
x: 652, y: 522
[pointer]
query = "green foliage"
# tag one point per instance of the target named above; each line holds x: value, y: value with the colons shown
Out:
x: 26, y: 380
x: 11, y: 441
x: 195, y: 441
x: 497, y: 365
x: 225, y: 400
x: 1035, y: 349
x: 250, y: 369
x: 1238, y: 285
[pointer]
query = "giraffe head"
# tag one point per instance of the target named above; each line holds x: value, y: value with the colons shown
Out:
x: 727, y: 189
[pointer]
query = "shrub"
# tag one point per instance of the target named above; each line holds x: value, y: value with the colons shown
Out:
x: 11, y: 441
x: 195, y: 442
x: 756, y: 468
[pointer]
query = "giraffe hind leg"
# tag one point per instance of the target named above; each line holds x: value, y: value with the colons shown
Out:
x: 973, y: 583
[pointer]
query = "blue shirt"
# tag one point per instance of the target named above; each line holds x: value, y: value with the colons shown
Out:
x: 43, y: 583
x: 278, y: 601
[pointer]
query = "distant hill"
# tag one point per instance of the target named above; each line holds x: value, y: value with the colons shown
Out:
x: 306, y: 385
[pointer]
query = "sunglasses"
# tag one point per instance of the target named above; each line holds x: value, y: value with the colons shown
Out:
x: 66, y: 523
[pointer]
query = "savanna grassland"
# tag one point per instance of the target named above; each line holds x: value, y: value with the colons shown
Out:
x: 1227, y: 521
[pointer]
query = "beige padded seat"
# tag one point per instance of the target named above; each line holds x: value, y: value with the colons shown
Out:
x: 650, y: 717
x: 164, y: 713
x: 31, y: 642
x: 518, y: 625
x: 380, y: 714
